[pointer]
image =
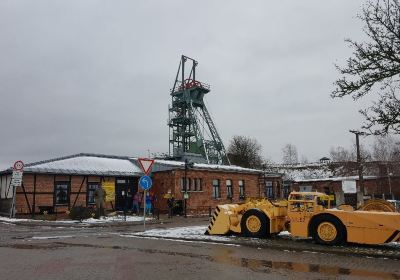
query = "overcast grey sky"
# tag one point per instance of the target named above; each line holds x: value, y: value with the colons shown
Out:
x: 94, y: 76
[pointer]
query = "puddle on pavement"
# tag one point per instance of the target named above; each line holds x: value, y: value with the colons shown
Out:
x: 225, y: 257
x: 33, y: 246
x: 265, y: 266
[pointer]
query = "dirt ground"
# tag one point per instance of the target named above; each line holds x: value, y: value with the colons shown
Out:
x: 122, y: 251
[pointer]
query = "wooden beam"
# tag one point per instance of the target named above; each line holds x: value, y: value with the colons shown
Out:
x: 34, y: 197
x: 26, y: 198
x: 80, y: 189
x: 69, y: 192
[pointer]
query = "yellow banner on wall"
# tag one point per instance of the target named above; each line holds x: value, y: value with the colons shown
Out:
x: 109, y: 187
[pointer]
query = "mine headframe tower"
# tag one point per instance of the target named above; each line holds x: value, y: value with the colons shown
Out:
x: 192, y: 132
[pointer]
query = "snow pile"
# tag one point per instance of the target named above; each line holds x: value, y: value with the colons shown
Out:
x: 118, y: 218
x: 191, y: 232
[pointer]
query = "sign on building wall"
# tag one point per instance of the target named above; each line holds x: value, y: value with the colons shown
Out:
x: 349, y: 186
x: 109, y: 187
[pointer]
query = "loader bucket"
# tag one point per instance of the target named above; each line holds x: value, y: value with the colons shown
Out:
x: 220, y: 221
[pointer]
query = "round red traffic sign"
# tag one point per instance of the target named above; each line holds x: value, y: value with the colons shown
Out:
x: 19, y: 165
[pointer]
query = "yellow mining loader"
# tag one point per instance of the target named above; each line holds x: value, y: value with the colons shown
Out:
x: 306, y: 214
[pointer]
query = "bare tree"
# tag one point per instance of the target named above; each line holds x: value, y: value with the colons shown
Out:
x: 289, y: 154
x: 304, y: 159
x: 246, y: 152
x: 340, y: 154
x: 385, y: 148
x: 375, y: 66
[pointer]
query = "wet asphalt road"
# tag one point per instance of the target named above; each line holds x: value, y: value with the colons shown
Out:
x: 104, y: 252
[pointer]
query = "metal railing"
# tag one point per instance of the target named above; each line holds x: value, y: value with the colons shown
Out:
x: 190, y: 84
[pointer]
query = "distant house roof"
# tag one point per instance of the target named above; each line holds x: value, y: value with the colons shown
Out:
x: 333, y: 179
x: 85, y: 164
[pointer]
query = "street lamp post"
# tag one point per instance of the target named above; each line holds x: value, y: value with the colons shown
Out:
x: 185, y: 194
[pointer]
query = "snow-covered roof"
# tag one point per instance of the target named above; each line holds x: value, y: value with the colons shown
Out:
x: 86, y: 164
x: 105, y: 165
x: 160, y: 165
x: 333, y: 179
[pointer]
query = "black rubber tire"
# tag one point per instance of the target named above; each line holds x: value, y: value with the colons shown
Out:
x: 264, y: 228
x: 340, y: 229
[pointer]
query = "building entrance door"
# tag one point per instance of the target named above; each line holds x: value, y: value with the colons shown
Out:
x: 125, y: 188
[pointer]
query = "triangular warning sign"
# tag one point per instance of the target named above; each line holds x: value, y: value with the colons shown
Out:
x: 146, y: 164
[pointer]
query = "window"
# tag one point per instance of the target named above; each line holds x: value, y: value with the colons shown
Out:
x: 61, y: 193
x: 241, y: 189
x: 188, y: 186
x: 229, y: 191
x: 199, y: 185
x: 268, y: 189
x: 194, y: 185
x: 91, y: 188
x: 216, y: 192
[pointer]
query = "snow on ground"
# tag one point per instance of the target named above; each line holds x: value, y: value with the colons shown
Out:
x: 51, y: 237
x: 108, y: 219
x: 5, y: 219
x: 118, y: 218
x: 191, y: 232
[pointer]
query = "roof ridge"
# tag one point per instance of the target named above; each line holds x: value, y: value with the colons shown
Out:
x: 75, y: 156
x: 52, y: 160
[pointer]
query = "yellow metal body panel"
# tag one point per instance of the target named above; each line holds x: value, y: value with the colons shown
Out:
x: 365, y: 227
x: 227, y: 217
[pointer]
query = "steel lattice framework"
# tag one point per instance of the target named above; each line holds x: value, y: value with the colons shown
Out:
x: 192, y: 130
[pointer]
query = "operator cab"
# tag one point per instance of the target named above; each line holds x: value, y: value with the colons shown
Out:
x: 308, y: 201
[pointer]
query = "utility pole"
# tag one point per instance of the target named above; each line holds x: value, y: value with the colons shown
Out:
x: 360, y: 166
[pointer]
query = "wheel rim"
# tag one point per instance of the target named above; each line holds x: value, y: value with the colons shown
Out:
x: 327, y: 231
x: 253, y: 224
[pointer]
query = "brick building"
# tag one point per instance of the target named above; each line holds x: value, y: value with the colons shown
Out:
x: 210, y: 185
x: 374, y: 186
x: 57, y: 185
x: 60, y: 184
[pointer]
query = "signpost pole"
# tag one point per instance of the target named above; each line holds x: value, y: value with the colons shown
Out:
x: 145, y: 182
x: 16, y: 181
x: 144, y: 211
x: 12, y: 213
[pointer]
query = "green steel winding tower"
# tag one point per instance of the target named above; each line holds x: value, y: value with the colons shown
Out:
x: 192, y: 132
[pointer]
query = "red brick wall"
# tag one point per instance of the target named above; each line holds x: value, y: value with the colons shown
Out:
x: 201, y: 200
x: 375, y: 187
x: 45, y: 191
x: 162, y: 182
